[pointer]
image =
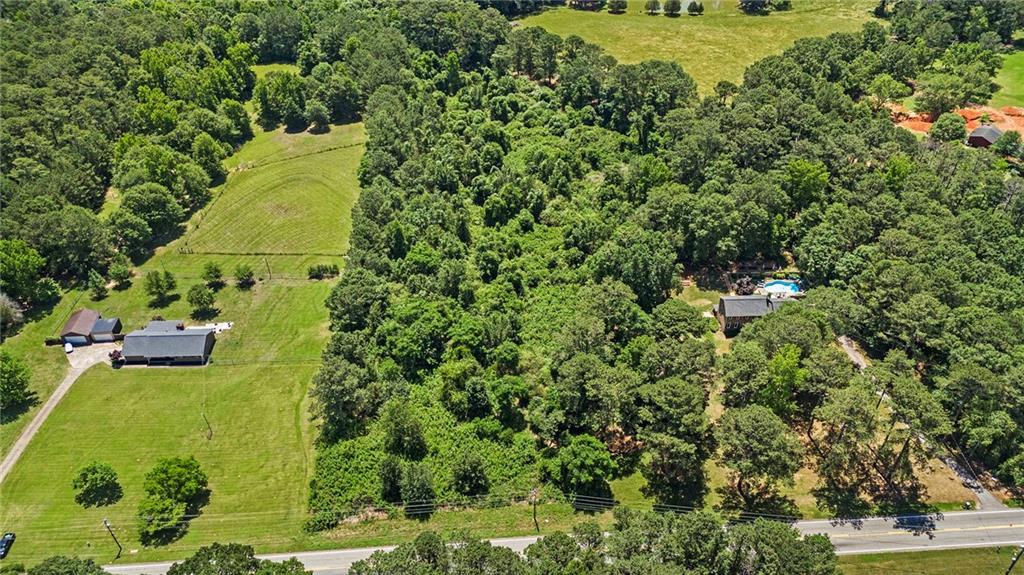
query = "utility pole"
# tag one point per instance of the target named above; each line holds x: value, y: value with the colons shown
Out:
x: 533, y: 497
x: 1016, y: 558
x: 118, y: 543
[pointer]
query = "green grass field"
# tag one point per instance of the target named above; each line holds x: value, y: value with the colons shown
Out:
x: 259, y: 459
x: 1011, y: 82
x: 991, y: 561
x: 716, y: 46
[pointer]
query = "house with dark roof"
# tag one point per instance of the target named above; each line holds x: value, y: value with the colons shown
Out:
x: 735, y: 311
x: 168, y: 343
x: 984, y: 136
x: 87, y: 326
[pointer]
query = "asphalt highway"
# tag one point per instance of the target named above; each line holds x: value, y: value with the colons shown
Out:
x: 953, y: 530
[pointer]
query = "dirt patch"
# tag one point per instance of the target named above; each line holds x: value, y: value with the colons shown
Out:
x: 1007, y: 118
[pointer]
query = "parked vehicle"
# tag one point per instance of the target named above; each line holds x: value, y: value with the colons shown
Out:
x: 6, y: 542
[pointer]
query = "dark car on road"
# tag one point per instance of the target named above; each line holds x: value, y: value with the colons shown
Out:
x: 6, y: 542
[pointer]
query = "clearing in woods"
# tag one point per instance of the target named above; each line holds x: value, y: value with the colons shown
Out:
x: 716, y: 46
x: 288, y: 196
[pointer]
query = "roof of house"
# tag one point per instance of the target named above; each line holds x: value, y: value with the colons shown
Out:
x: 106, y: 325
x: 987, y: 132
x: 176, y: 343
x: 80, y: 322
x: 749, y: 305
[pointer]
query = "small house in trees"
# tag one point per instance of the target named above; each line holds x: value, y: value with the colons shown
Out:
x: 169, y: 343
x: 984, y: 136
x: 87, y: 326
x: 735, y: 311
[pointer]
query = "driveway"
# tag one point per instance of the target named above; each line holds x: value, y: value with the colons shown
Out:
x: 81, y: 359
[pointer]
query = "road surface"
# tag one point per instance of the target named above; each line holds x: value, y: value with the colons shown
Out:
x: 954, y: 530
x: 81, y: 360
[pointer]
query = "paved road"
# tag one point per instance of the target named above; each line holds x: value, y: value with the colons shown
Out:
x: 81, y: 360
x: 955, y: 530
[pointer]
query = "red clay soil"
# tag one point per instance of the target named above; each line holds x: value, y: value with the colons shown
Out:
x: 1007, y: 118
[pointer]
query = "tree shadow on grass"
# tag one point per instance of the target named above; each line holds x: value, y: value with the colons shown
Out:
x: 9, y: 413
x: 205, y: 314
x: 106, y: 495
x: 771, y: 504
x: 596, y: 498
x: 843, y: 505
x: 159, y: 302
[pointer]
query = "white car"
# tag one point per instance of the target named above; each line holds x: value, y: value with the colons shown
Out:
x: 68, y: 348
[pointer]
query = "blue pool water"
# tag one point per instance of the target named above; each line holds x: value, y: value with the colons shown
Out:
x: 782, y: 286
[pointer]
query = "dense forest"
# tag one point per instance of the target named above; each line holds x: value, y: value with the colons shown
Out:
x: 508, y: 315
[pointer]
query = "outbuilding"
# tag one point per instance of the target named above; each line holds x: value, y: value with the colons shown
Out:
x: 105, y: 329
x: 735, y: 311
x: 78, y: 327
x: 168, y: 343
x: 984, y: 136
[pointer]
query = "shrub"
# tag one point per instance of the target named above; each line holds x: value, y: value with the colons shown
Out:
x: 244, y: 276
x: 121, y: 274
x: 201, y: 299
x: 673, y: 7
x: 469, y: 477
x: 14, y: 376
x: 10, y: 314
x: 391, y: 479
x: 949, y: 127
x: 96, y: 484
x: 97, y: 285
x: 47, y: 291
x: 212, y: 275
x: 616, y: 6
x: 321, y: 271
x: 418, y: 490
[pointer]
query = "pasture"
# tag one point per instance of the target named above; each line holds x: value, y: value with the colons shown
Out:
x: 274, y: 213
x: 1011, y: 82
x: 716, y: 46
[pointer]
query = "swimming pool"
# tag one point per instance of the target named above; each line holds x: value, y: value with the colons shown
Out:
x: 782, y: 286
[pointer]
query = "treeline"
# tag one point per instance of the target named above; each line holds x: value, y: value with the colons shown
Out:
x: 507, y: 309
x: 638, y: 544
x: 101, y: 96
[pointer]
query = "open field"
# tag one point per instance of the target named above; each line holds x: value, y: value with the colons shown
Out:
x: 991, y: 561
x: 705, y: 46
x: 1011, y: 82
x: 260, y: 456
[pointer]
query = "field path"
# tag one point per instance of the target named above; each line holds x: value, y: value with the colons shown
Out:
x: 81, y: 360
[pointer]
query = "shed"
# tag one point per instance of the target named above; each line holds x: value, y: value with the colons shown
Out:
x: 105, y: 329
x: 168, y: 343
x: 78, y: 327
x: 735, y: 311
x: 984, y: 136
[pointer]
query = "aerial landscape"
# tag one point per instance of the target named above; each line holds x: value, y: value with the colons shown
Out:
x: 530, y: 287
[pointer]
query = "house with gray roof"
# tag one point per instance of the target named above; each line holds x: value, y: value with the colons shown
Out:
x: 984, y: 136
x: 735, y: 311
x: 168, y: 343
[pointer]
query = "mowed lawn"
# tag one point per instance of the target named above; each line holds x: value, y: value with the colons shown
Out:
x: 986, y: 561
x: 716, y: 46
x: 254, y: 393
x: 1011, y: 82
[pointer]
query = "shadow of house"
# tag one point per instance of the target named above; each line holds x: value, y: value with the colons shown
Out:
x: 168, y: 343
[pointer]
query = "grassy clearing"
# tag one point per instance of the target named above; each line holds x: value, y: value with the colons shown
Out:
x: 259, y: 459
x: 991, y: 561
x: 716, y: 46
x: 262, y: 70
x: 1011, y: 82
